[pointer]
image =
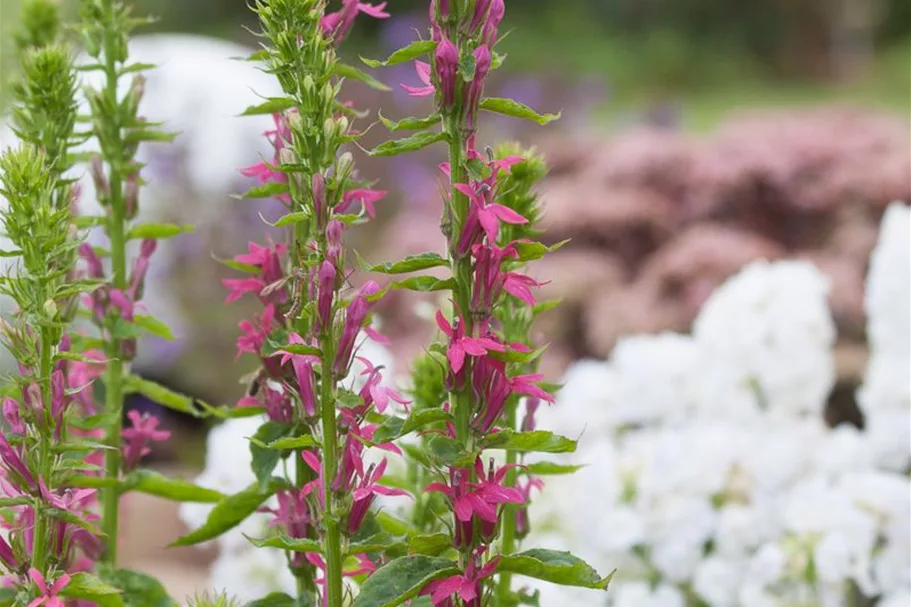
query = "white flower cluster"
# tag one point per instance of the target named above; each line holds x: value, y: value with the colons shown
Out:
x: 241, y: 570
x: 711, y: 477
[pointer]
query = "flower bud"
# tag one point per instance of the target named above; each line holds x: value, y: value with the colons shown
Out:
x: 447, y: 67
x: 308, y: 84
x: 287, y: 156
x: 329, y: 129
x: 343, y: 166
x: 131, y: 196
x: 102, y: 190
x: 50, y: 309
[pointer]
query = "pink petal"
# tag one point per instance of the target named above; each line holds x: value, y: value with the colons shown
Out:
x: 467, y: 190
x: 489, y: 223
x: 506, y: 214
x: 443, y: 324
x: 423, y: 70
x: 463, y: 509
x: 311, y: 461
x: 439, y: 487
x: 418, y: 91
x: 456, y: 356
x: 472, y: 346
x: 375, y: 11
x: 377, y: 336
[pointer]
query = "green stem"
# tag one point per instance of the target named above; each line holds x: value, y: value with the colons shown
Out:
x: 45, y: 368
x: 333, y: 538
x: 115, y: 230
x: 508, y: 520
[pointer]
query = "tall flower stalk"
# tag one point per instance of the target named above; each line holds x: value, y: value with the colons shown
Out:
x: 486, y: 352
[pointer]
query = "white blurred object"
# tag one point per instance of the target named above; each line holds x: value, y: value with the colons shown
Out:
x: 198, y: 90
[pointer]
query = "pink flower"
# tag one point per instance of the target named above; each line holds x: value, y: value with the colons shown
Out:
x: 461, y: 345
x: 303, y: 371
x: 355, y: 315
x: 255, y: 333
x: 423, y: 70
x: 143, y: 430
x: 12, y: 417
x: 488, y: 214
x: 326, y: 293
x: 447, y: 67
x: 293, y: 512
x: 366, y: 492
x: 49, y: 593
x: 267, y: 260
x: 482, y: 68
x: 336, y: 25
x: 494, y: 18
x: 466, y: 586
x: 81, y: 375
x: 478, y: 499
x: 364, y: 566
x: 374, y: 393
x: 14, y: 464
x: 525, y: 384
x: 7, y: 557
x: 141, y: 268
x: 519, y: 286
x: 365, y: 196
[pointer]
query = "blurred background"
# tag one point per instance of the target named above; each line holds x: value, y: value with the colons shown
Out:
x: 697, y: 135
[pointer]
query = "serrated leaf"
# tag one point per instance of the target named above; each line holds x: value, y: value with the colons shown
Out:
x: 291, y: 218
x: 411, y: 123
x: 139, y: 589
x: 175, y: 489
x: 154, y: 326
x: 266, y: 190
x: 412, y: 263
x: 412, y: 51
x: 287, y: 543
x: 397, y: 427
x: 514, y: 109
x: 156, y: 231
x: 551, y: 468
x: 87, y: 587
x: 539, y: 441
x: 161, y: 395
x: 554, y: 566
x: 424, y: 284
x: 408, y: 144
x: 265, y: 459
x: 229, y: 512
x: 352, y: 73
x: 273, y: 105
x: 401, y: 580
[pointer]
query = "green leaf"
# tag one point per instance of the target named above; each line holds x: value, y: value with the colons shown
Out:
x: 273, y: 105
x: 553, y: 566
x: 432, y: 544
x: 145, y: 134
x: 539, y: 441
x: 293, y: 442
x: 266, y: 190
x: 411, y: 123
x: 408, y: 144
x: 396, y: 427
x: 7, y: 502
x: 161, y: 395
x: 71, y: 518
x: 412, y: 51
x: 532, y: 250
x: 514, y: 109
x: 298, y: 349
x: 478, y: 169
x: 287, y: 543
x: 156, y: 230
x: 424, y: 284
x: 290, y: 218
x: 93, y: 221
x: 230, y: 512
x: 412, y: 263
x: 448, y: 451
x: 87, y: 587
x: 89, y: 482
x: 378, y: 542
x: 154, y: 326
x: 265, y: 459
x: 551, y: 468
x: 175, y: 489
x: 352, y: 73
x: 139, y: 589
x: 402, y: 579
x: 517, y: 356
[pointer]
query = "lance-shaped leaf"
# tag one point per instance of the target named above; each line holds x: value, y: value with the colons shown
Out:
x: 424, y: 284
x: 410, y: 124
x: 414, y: 50
x: 449, y: 452
x: 514, y: 109
x: 397, y: 427
x: 290, y: 218
x: 230, y: 512
x: 265, y: 459
x: 532, y: 250
x: 554, y: 566
x: 539, y: 441
x: 287, y: 543
x: 139, y: 589
x: 408, y: 144
x: 266, y: 190
x: 161, y: 395
x: 402, y: 579
x: 378, y: 542
x: 154, y: 326
x: 412, y: 263
x: 156, y: 230
x: 431, y: 544
x: 87, y: 587
x: 352, y: 73
x: 273, y: 105
x: 551, y: 468
x: 176, y: 489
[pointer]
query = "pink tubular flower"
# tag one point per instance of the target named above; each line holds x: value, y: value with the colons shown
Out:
x: 14, y: 464
x: 365, y: 196
x: 12, y: 416
x: 494, y: 18
x: 355, y: 316
x: 423, y: 70
x: 7, y: 557
x: 49, y: 592
x: 335, y: 230
x: 461, y: 345
x: 526, y: 384
x: 326, y: 293
x: 482, y: 68
x: 466, y: 586
x: 480, y: 12
x: 447, y: 67
x: 367, y: 490
x: 268, y: 263
x: 374, y: 393
x: 336, y: 25
x: 489, y: 214
x: 293, y: 512
x: 144, y: 429
x: 303, y: 372
x: 141, y: 268
x: 81, y: 374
